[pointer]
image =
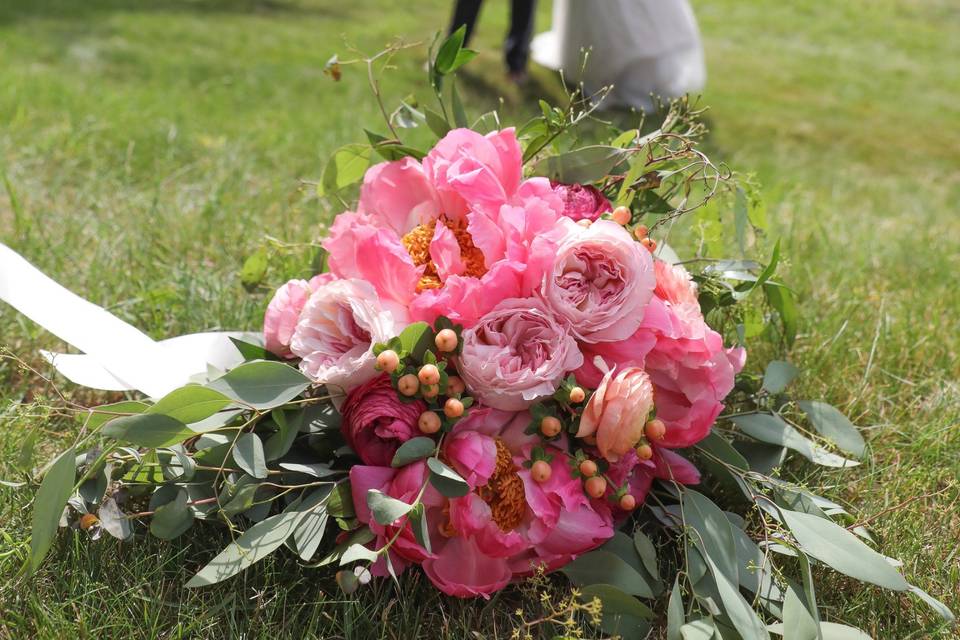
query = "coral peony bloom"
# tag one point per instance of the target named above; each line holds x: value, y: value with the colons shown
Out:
x: 376, y: 422
x: 600, y: 282
x: 516, y: 354
x: 617, y: 412
x: 283, y: 312
x: 451, y: 236
x: 336, y: 332
x: 581, y: 201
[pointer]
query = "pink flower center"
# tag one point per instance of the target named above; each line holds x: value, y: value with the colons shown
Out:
x: 417, y: 243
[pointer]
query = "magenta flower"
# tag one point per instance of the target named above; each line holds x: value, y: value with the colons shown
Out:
x: 581, y: 201
x: 376, y: 422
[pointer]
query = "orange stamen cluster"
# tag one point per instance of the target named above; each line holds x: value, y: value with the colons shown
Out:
x: 504, y: 492
x: 417, y: 244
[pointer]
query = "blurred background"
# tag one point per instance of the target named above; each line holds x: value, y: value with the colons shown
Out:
x: 146, y: 147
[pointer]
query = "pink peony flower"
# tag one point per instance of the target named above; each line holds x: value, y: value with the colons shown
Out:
x: 581, y: 201
x: 617, y: 412
x: 376, y: 422
x: 283, y: 312
x: 516, y: 354
x: 600, y: 282
x: 337, y: 329
x: 453, y: 236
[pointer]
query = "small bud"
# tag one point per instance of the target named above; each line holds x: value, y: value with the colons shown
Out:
x: 541, y: 471
x: 596, y: 486
x: 622, y: 215
x: 628, y: 502
x: 455, y: 386
x: 641, y: 231
x: 430, y: 391
x: 446, y: 340
x: 429, y: 374
x: 453, y: 408
x: 588, y: 468
x: 644, y: 451
x: 577, y: 395
x: 388, y: 361
x: 550, y: 426
x: 408, y: 385
x: 655, y: 429
x: 429, y: 422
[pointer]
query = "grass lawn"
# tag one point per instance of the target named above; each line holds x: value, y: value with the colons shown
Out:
x: 149, y: 146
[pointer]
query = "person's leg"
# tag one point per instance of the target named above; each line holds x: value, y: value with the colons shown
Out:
x: 465, y: 13
x: 517, y: 45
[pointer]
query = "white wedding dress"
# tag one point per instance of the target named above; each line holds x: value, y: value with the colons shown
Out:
x: 640, y: 47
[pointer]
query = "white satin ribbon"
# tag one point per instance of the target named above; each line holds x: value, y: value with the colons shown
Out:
x: 116, y: 355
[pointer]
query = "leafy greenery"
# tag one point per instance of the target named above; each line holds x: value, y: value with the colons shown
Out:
x: 861, y: 216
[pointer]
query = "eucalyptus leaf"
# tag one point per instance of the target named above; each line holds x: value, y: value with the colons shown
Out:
x: 648, y: 553
x: 935, y: 604
x: 262, y: 384
x: 778, y: 375
x: 702, y: 629
x: 622, y: 614
x: 149, y: 430
x: 386, y: 510
x: 772, y: 429
x: 829, y: 631
x: 317, y: 469
x: 55, y: 490
x: 746, y: 621
x: 254, y: 544
x: 248, y: 453
x: 97, y: 416
x: 310, y: 529
x: 173, y: 518
x: 358, y: 552
x: 278, y: 444
x: 715, y: 533
x: 413, y: 450
x: 798, y: 624
x: 251, y: 351
x: 675, y: 614
x: 841, y: 550
x: 583, y: 165
x: 604, y: 567
x: 445, y: 480
x: 113, y: 520
x: 833, y: 425
x: 191, y: 403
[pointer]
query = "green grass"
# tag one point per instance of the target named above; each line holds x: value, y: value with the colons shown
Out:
x: 149, y: 146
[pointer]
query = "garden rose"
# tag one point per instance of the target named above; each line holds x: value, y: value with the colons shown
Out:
x: 617, y: 411
x: 581, y: 201
x: 283, y: 312
x: 337, y: 329
x: 600, y: 282
x: 376, y: 422
x: 516, y: 354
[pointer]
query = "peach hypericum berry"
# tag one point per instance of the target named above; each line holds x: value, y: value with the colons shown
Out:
x: 550, y: 426
x: 408, y: 385
x: 429, y: 422
x: 446, y: 340
x: 429, y: 374
x: 388, y: 361
x: 541, y: 471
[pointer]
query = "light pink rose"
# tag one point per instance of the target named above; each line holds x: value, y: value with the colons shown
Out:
x: 600, y: 282
x: 516, y: 354
x: 617, y: 411
x: 283, y: 312
x: 336, y: 332
x: 376, y: 422
x: 581, y: 201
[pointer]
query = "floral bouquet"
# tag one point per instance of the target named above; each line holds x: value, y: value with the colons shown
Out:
x: 503, y: 370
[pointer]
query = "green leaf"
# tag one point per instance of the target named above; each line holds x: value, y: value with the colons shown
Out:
x: 248, y: 453
x: 778, y: 375
x: 449, y: 50
x: 675, y: 614
x: 262, y: 384
x: 358, y: 552
x: 173, y: 518
x: 345, y: 167
x: 437, y: 123
x: 413, y: 450
x: 459, y: 113
x: 934, y: 604
x: 834, y: 426
x: 55, y: 490
x: 782, y: 301
x: 605, y: 567
x: 844, y: 552
x: 746, y: 621
x: 625, y: 548
x: 149, y: 430
x: 416, y: 338
x: 279, y: 443
x: 309, y: 531
x: 463, y: 57
x: 445, y: 480
x: 317, y: 470
x: 622, y: 614
x: 340, y: 503
x: 386, y: 510
x: 254, y: 544
x: 583, y: 165
x: 720, y: 447
x: 771, y: 428
x: 107, y: 412
x: 715, y: 535
x: 420, y: 526
x: 830, y: 631
x: 798, y: 624
x: 254, y: 268
x: 648, y: 553
x: 113, y: 520
x: 702, y: 629
x: 251, y: 351
x: 191, y: 403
